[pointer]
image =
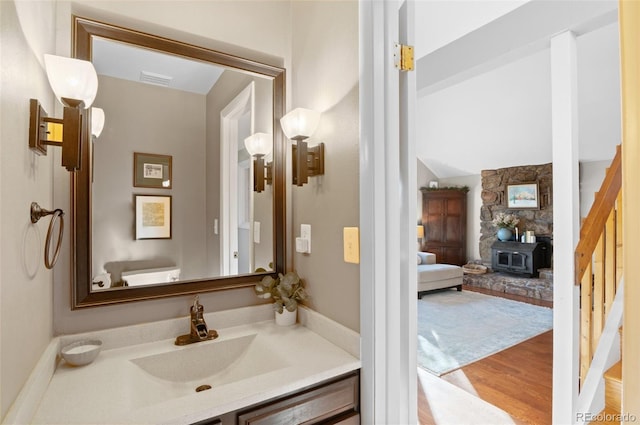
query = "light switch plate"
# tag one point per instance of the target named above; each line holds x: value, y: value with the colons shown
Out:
x: 302, y: 245
x: 305, y: 233
x: 351, y: 237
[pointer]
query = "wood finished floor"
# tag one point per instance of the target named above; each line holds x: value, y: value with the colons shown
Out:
x: 517, y: 380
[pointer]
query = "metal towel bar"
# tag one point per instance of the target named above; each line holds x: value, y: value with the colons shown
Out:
x: 36, y: 214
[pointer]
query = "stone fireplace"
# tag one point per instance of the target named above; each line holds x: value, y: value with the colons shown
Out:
x: 494, y: 187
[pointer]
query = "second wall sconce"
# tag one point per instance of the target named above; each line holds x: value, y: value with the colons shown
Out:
x: 259, y: 145
x: 75, y: 84
x: 299, y: 125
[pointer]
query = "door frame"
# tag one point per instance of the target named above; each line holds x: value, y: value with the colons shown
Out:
x: 229, y: 118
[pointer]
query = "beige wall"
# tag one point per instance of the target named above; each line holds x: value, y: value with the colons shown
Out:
x: 255, y: 29
x: 325, y: 78
x: 25, y: 284
x: 173, y: 123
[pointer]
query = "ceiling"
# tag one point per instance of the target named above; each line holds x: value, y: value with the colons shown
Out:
x: 121, y: 60
x: 484, y: 99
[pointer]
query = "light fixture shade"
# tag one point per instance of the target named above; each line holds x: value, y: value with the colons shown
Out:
x: 259, y: 144
x: 420, y: 231
x: 72, y: 79
x: 97, y: 121
x: 300, y: 123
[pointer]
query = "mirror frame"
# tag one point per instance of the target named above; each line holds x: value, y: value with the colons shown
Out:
x: 81, y: 238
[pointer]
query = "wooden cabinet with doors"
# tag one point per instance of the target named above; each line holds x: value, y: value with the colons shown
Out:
x: 444, y: 217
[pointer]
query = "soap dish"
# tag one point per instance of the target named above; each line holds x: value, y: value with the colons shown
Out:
x: 81, y: 353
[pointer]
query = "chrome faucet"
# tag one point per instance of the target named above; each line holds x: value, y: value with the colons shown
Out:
x: 199, y: 331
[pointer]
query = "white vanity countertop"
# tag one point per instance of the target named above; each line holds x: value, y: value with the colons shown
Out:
x: 114, y: 390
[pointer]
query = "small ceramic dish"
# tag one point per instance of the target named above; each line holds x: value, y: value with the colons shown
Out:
x: 81, y: 353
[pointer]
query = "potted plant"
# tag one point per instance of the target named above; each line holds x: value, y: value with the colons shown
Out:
x: 286, y: 291
x: 505, y: 223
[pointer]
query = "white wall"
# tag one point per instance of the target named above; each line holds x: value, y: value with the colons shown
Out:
x: 439, y: 22
x: 424, y: 175
x: 502, y: 118
x: 474, y: 203
x: 26, y: 32
x: 494, y: 120
x: 591, y: 177
x: 325, y: 78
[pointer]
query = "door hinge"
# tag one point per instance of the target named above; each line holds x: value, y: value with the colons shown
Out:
x: 403, y: 57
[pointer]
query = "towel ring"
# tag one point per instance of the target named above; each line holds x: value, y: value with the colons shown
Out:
x: 36, y: 214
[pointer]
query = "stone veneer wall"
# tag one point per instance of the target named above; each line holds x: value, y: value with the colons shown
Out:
x: 494, y: 187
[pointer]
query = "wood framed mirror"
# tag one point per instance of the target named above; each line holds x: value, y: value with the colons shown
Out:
x: 195, y: 251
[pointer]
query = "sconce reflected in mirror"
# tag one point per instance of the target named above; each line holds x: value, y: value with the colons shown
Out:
x: 75, y: 84
x: 299, y: 125
x: 97, y: 121
x: 260, y: 145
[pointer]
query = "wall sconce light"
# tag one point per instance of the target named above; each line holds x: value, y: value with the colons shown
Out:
x: 75, y: 84
x: 259, y: 145
x: 97, y: 121
x: 299, y: 125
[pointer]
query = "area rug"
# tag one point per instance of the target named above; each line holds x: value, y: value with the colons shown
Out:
x: 459, y: 328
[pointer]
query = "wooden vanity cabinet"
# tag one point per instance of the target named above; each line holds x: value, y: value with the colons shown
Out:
x: 335, y: 401
x: 444, y: 217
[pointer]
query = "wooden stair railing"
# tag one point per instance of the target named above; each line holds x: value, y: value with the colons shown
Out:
x: 598, y: 261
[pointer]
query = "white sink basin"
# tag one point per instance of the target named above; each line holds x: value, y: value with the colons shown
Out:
x: 213, y: 363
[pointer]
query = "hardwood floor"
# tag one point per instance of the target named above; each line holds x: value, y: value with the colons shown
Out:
x: 517, y: 380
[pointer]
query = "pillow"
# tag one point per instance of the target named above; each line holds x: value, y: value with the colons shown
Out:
x: 419, y: 259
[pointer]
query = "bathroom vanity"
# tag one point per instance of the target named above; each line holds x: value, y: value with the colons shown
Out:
x: 255, y: 372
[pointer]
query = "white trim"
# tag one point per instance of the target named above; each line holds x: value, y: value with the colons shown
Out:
x: 229, y: 116
x: 408, y: 202
x: 387, y: 176
x: 26, y: 404
x: 591, y: 398
x: 566, y: 219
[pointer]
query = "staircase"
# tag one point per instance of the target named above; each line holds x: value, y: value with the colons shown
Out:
x: 598, y: 266
x: 612, y: 393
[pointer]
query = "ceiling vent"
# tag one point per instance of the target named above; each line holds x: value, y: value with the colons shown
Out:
x: 156, y: 79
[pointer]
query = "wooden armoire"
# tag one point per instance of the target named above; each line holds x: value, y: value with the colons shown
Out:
x: 444, y: 217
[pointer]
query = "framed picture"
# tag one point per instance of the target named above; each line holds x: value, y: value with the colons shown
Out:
x: 433, y: 184
x: 153, y: 217
x: 523, y: 196
x: 151, y: 170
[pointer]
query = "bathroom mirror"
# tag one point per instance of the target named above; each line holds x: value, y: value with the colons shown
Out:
x: 164, y: 204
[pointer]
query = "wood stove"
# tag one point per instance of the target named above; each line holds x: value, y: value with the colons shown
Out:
x: 519, y: 258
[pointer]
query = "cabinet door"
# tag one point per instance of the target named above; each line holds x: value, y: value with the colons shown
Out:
x: 331, y: 403
x: 453, y: 224
x: 444, y: 219
x: 433, y: 219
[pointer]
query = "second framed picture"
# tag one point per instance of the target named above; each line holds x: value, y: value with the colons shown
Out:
x: 153, y: 217
x: 151, y: 170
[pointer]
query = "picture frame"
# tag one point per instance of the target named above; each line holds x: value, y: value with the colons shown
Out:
x: 152, y: 217
x: 523, y: 196
x: 152, y: 170
x: 433, y: 184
